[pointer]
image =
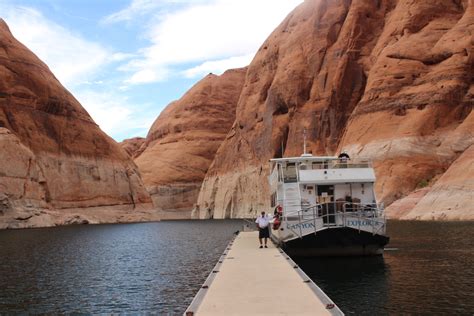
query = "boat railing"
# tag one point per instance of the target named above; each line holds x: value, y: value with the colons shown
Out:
x: 371, y: 213
x: 337, y: 164
x: 351, y: 164
x: 365, y: 209
x: 306, y: 215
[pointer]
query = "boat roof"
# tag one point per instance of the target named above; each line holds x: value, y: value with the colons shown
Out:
x: 304, y: 157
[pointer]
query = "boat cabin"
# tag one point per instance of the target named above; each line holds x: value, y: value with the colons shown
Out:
x: 338, y: 184
x: 326, y: 205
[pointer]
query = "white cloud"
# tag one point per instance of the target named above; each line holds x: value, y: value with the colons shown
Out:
x: 76, y: 62
x: 96, y: 82
x: 114, y: 113
x: 71, y: 58
x: 216, y: 30
x: 200, y: 35
x: 108, y: 110
x: 136, y: 8
x: 218, y: 66
x: 139, y: 8
x: 147, y: 76
x: 122, y: 56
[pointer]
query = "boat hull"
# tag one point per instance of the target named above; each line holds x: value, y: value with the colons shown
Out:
x: 340, y: 241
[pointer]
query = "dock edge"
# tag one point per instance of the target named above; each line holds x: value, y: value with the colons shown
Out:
x: 330, y: 305
x: 197, y: 300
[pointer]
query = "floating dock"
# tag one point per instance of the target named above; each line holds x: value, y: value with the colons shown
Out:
x: 248, y: 280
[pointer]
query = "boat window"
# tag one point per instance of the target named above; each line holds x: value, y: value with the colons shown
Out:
x: 289, y: 173
x: 273, y: 200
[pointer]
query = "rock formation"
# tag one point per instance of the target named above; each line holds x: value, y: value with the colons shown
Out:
x: 451, y: 196
x: 388, y: 80
x: 419, y: 91
x: 183, y: 140
x: 133, y: 146
x: 56, y: 165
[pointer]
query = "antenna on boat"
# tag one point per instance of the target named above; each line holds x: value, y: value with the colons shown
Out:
x: 304, y: 145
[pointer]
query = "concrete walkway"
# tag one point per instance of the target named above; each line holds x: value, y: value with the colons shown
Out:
x: 253, y: 281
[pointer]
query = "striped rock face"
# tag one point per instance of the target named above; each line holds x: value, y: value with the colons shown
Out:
x: 388, y: 80
x: 56, y: 165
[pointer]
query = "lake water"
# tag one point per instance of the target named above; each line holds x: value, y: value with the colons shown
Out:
x: 158, y: 268
x: 127, y: 268
x: 427, y: 269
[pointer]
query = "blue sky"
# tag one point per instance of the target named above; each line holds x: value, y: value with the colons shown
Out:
x: 125, y: 60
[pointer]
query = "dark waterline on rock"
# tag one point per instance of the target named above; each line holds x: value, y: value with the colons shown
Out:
x: 129, y: 268
x: 158, y: 268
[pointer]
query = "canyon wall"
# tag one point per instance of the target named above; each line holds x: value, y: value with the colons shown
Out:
x: 412, y: 119
x: 449, y: 195
x: 56, y: 165
x: 133, y: 146
x: 183, y: 140
x: 387, y: 80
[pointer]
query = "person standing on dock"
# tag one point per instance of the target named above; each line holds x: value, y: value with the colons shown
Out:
x: 263, y: 225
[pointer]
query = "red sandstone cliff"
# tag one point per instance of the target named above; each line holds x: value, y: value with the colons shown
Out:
x: 412, y: 117
x: 388, y: 80
x: 183, y: 140
x: 56, y: 165
x: 451, y: 194
x: 133, y: 146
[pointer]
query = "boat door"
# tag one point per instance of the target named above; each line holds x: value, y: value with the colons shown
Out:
x: 326, y: 199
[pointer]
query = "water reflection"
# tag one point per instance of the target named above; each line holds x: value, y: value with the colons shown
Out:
x: 151, y: 267
x: 430, y: 270
x: 351, y: 282
x: 158, y: 268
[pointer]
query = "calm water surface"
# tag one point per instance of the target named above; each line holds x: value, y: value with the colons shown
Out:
x: 158, y: 268
x: 145, y: 268
x: 428, y: 269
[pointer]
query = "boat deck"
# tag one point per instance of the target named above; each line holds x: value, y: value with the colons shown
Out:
x: 252, y: 281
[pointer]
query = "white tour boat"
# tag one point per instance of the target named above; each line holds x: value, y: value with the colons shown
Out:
x: 326, y: 206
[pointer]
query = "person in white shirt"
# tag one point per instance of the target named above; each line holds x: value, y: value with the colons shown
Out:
x: 263, y: 225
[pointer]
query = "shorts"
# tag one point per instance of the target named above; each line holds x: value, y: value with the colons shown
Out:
x: 264, y: 232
